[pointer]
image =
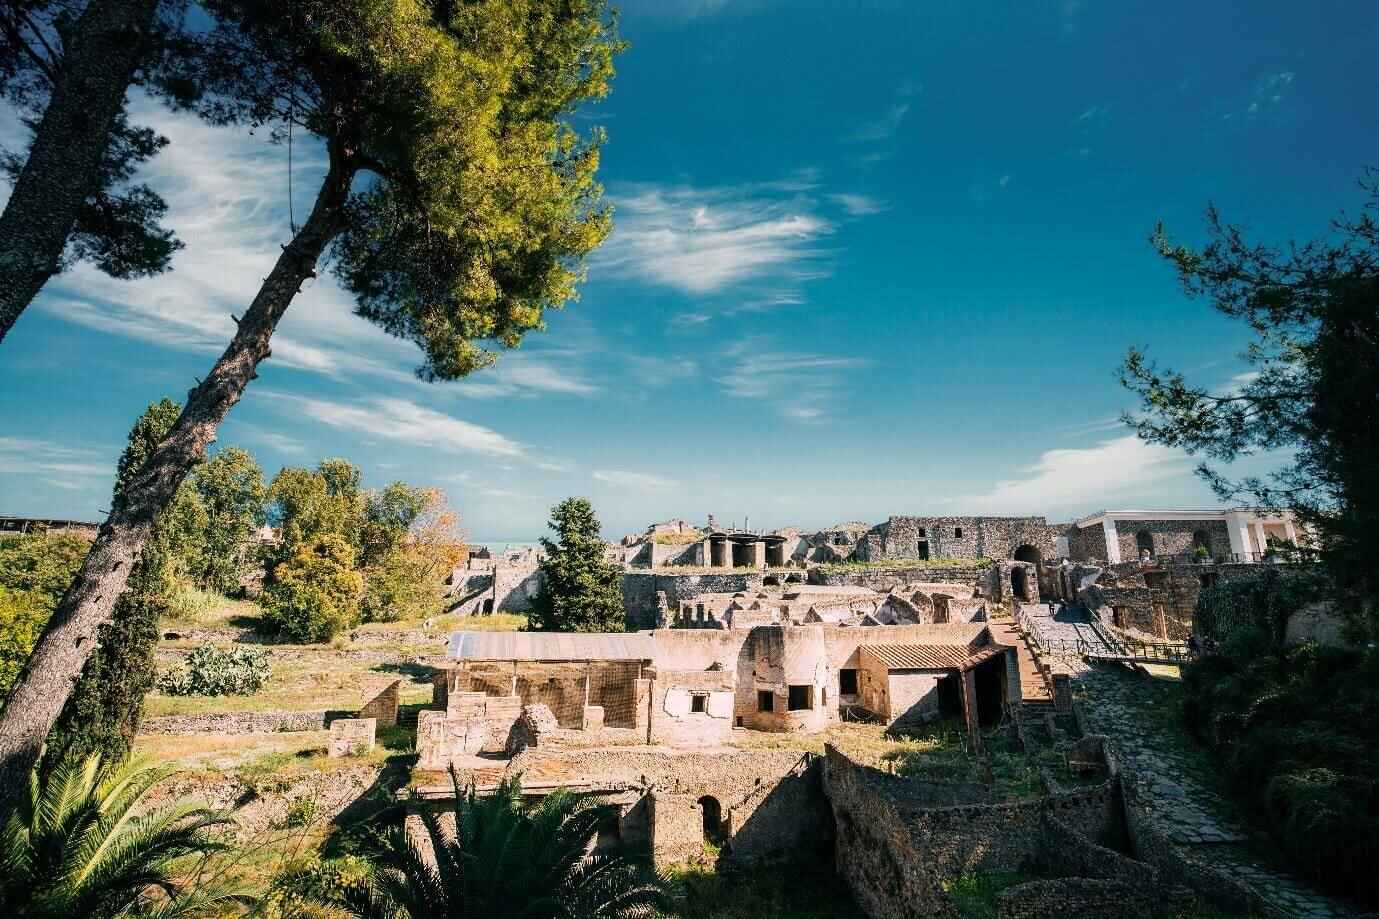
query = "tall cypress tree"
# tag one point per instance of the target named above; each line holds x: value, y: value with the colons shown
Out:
x: 104, y: 710
x: 581, y: 591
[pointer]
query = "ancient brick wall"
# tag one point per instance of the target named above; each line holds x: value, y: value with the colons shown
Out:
x: 1064, y: 897
x: 989, y: 537
x: 691, y: 708
x: 896, y: 852
x: 1171, y: 537
x: 1087, y: 544
x: 639, y: 591
x: 381, y: 701
x: 883, y: 579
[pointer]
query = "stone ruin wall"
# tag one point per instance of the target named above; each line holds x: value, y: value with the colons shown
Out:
x: 988, y: 537
x: 896, y: 850
x: 1170, y: 537
x: 639, y: 591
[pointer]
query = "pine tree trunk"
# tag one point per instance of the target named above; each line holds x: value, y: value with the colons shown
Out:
x: 57, y: 660
x: 104, y: 47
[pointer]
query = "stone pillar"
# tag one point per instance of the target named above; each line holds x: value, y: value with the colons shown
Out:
x: 759, y: 554
x: 1238, y: 531
x: 1108, y: 527
x: 1289, y: 532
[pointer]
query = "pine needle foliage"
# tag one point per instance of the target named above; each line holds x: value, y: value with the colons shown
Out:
x: 580, y: 590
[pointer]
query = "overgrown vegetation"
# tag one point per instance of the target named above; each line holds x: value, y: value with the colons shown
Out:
x: 74, y: 847
x: 212, y: 671
x: 35, y: 569
x: 1296, y: 739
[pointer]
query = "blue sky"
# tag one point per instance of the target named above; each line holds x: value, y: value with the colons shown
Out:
x: 867, y: 262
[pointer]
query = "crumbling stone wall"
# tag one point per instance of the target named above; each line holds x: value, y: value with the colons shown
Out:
x: 1171, y: 537
x: 896, y: 852
x: 884, y: 579
x: 639, y: 591
x: 1063, y: 897
x: 989, y: 537
x: 1087, y: 544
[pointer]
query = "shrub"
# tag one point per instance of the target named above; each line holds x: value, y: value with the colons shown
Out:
x: 315, y: 593
x: 1295, y: 733
x: 211, y: 671
x: 23, y: 614
x: 401, y: 586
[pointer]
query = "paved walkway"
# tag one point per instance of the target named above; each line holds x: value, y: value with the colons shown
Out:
x: 1066, y: 625
x: 1033, y: 687
x: 1126, y: 706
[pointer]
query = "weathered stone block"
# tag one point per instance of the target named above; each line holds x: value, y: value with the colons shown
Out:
x: 380, y: 702
x: 352, y: 736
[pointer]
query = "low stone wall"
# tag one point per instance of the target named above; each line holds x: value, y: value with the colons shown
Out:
x: 242, y: 722
x: 883, y: 579
x: 896, y: 852
x: 1063, y: 897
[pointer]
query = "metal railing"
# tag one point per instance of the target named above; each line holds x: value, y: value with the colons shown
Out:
x: 1106, y: 647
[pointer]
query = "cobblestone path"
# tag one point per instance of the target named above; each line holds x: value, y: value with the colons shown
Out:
x: 1128, y: 707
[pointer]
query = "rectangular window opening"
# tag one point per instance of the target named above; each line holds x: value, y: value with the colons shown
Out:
x: 847, y: 682
x: 698, y: 702
x: 957, y: 532
x: 766, y: 701
x: 801, y: 698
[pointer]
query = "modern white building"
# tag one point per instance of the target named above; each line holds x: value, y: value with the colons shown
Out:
x: 1238, y: 533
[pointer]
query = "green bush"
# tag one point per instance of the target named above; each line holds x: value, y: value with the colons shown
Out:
x: 401, y: 586
x: 210, y: 671
x: 315, y: 593
x: 1297, y: 738
x: 35, y: 570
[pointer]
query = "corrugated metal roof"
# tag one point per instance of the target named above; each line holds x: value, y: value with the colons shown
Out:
x: 930, y: 657
x: 551, y: 646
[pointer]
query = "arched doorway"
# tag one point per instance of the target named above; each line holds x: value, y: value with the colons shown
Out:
x: 1028, y: 553
x: 1201, y: 544
x: 1144, y: 543
x: 713, y: 819
x: 1019, y: 582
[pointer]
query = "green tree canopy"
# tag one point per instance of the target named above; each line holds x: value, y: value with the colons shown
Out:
x: 315, y: 593
x: 1313, y: 390
x: 65, y: 66
x: 230, y: 490
x: 581, y: 591
x: 458, y: 203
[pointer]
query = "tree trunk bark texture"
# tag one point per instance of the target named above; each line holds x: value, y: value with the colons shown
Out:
x: 70, y: 636
x: 106, y: 45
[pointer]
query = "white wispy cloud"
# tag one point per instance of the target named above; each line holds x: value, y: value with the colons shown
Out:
x: 859, y: 205
x: 703, y: 240
x: 34, y: 456
x: 394, y: 419
x: 519, y: 374
x: 227, y: 195
x: 640, y: 480
x: 1121, y: 467
x: 802, y: 386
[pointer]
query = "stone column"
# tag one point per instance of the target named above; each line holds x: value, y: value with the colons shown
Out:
x: 759, y: 554
x: 1108, y: 527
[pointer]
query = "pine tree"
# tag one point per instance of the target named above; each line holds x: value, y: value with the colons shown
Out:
x: 581, y: 591
x: 458, y: 205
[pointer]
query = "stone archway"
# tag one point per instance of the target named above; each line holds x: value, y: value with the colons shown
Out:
x: 713, y: 820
